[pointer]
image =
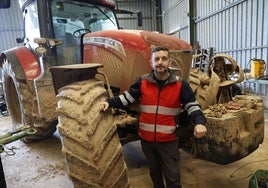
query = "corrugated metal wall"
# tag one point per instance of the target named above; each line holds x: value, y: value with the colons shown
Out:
x: 235, y: 27
x: 11, y: 26
x: 128, y: 21
x: 239, y: 28
x: 175, y: 18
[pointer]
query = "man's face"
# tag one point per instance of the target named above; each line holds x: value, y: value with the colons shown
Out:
x: 160, y: 62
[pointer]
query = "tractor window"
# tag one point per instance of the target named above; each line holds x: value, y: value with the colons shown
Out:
x: 31, y: 24
x: 77, y: 15
x: 72, y: 19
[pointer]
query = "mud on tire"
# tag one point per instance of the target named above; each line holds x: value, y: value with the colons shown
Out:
x: 89, y: 138
x: 21, y: 106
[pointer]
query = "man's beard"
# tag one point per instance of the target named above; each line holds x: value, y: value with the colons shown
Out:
x: 161, y: 73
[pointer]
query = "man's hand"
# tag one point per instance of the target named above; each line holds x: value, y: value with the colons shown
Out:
x: 104, y: 106
x: 200, y: 131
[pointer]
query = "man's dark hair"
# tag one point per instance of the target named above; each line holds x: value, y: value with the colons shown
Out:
x: 159, y: 48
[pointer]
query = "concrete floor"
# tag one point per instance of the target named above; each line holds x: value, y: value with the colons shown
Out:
x: 42, y: 165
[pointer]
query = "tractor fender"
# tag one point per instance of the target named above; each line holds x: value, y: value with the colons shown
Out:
x: 23, y: 61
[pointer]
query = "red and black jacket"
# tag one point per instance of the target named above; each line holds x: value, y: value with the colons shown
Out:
x: 160, y: 106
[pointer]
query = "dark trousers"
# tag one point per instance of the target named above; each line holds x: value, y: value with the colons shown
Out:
x: 163, y: 159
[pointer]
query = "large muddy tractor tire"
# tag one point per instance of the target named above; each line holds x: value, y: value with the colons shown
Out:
x: 20, y: 100
x: 89, y: 137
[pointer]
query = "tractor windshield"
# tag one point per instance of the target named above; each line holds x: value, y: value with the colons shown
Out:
x: 72, y: 19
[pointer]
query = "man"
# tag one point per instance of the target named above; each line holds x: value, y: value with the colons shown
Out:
x: 161, y: 94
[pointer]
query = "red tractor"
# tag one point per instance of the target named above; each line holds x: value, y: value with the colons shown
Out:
x: 73, y: 42
x: 75, y: 56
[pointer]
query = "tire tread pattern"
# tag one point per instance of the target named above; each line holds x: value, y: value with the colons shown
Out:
x: 89, y: 137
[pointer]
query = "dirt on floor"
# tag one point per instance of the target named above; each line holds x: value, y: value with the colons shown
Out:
x: 39, y: 164
x: 42, y: 165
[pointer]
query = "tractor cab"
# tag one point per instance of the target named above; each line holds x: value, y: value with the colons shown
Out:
x: 68, y: 21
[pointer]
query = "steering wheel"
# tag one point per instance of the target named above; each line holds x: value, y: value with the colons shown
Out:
x: 79, y: 32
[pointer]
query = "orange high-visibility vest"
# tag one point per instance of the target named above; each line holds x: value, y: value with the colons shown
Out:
x: 158, y: 108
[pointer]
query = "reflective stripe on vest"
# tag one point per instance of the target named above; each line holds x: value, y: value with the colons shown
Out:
x: 161, y: 109
x: 158, y: 128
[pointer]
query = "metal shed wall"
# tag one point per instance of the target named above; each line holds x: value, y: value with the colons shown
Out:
x: 175, y: 18
x: 128, y: 21
x: 238, y: 28
x: 11, y: 26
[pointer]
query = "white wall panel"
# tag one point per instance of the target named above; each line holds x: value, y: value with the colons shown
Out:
x: 175, y: 18
x: 238, y: 27
x: 11, y: 26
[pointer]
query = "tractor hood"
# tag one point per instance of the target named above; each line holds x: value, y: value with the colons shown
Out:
x: 123, y: 42
x: 126, y: 54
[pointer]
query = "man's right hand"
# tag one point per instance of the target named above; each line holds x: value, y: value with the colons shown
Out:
x: 104, y: 106
x: 200, y: 131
